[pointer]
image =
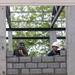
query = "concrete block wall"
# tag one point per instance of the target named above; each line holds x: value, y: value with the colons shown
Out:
x: 51, y: 65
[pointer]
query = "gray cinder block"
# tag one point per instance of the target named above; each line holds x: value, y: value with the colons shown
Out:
x: 25, y: 59
x: 12, y: 59
x: 42, y: 65
x: 47, y: 59
x: 12, y: 71
x: 9, y: 53
x: 60, y: 70
x: 48, y: 70
x: 53, y: 65
x: 18, y: 65
x: 31, y: 65
x: 25, y: 71
x: 36, y: 59
x: 62, y: 52
x: 35, y: 71
x: 60, y: 58
x: 63, y: 64
x: 9, y: 65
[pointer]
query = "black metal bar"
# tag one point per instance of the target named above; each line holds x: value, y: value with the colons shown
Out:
x: 62, y: 37
x: 31, y: 21
x: 34, y: 20
x: 35, y: 29
x: 31, y: 11
x: 8, y: 15
x: 57, y: 15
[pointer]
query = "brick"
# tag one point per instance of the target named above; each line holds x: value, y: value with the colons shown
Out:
x: 25, y: 71
x: 42, y: 65
x: 18, y: 65
x: 9, y: 53
x: 60, y: 58
x: 60, y: 70
x: 36, y: 59
x: 25, y: 59
x: 12, y: 59
x: 12, y: 71
x: 9, y: 65
x: 48, y: 70
x: 31, y: 65
x: 53, y: 65
x: 47, y: 59
x: 63, y: 65
x: 62, y: 52
x: 35, y: 71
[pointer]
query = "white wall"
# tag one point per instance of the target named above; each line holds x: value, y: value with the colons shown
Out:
x: 2, y: 40
x: 70, y: 31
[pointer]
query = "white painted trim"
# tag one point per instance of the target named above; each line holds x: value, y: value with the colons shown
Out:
x: 37, y: 2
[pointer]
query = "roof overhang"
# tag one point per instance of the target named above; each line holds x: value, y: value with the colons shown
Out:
x: 36, y: 2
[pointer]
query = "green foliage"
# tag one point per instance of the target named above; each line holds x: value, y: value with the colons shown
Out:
x: 63, y: 43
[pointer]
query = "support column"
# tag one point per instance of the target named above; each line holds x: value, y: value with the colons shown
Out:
x: 2, y: 40
x: 53, y: 38
x: 70, y: 37
x: 10, y: 40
